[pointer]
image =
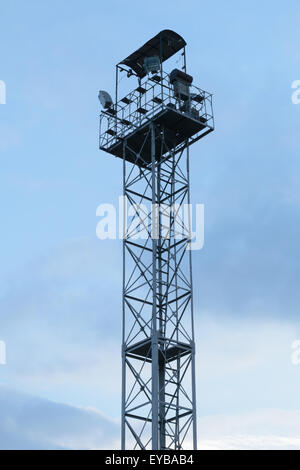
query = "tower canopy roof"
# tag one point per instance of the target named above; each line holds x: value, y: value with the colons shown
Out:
x: 164, y: 44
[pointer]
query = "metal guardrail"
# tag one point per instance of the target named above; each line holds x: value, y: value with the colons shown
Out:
x: 151, y: 97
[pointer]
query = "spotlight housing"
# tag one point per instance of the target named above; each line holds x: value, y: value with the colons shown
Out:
x: 105, y: 99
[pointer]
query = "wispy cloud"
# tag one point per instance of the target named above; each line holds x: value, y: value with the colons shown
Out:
x: 260, y: 429
x: 29, y: 422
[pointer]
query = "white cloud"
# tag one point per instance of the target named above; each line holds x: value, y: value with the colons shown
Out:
x: 62, y: 326
x: 251, y: 443
x: 28, y: 422
x: 260, y: 429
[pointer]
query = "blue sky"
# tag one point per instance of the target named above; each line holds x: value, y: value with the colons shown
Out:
x: 60, y: 287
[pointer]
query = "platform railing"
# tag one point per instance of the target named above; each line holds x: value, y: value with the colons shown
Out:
x: 151, y: 97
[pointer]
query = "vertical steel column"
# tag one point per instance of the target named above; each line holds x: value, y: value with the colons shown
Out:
x: 192, y: 306
x: 154, y: 338
x: 123, y: 425
x: 161, y: 358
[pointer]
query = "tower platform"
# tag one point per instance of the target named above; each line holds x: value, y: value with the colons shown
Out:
x: 143, y: 351
x: 177, y: 127
x: 154, y: 101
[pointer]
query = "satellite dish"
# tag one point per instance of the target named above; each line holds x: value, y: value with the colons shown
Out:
x: 105, y: 99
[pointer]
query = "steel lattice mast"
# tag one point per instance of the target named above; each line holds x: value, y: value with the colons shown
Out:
x: 151, y: 129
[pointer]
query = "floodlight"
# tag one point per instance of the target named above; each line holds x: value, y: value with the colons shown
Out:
x: 152, y: 64
x: 181, y: 82
x: 105, y: 99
